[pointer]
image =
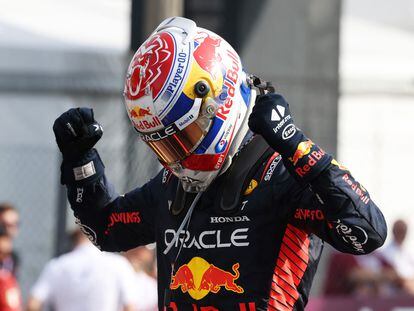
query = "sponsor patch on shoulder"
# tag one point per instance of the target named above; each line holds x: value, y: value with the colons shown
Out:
x: 250, y: 188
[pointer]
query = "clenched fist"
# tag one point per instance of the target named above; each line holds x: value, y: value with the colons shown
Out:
x: 271, y: 118
x: 76, y: 132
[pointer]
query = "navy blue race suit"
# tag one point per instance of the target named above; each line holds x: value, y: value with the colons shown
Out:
x: 261, y: 256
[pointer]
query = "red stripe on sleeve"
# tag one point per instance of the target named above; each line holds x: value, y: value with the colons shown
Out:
x: 290, y: 267
x: 280, y: 299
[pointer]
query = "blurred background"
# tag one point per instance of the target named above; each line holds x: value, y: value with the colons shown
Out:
x: 346, y: 67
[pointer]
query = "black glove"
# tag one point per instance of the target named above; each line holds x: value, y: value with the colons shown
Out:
x: 271, y: 118
x: 76, y: 132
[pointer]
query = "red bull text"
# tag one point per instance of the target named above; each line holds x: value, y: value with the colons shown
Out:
x: 144, y: 119
x: 230, y: 81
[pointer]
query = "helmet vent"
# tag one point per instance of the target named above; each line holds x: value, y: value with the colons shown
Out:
x: 201, y: 88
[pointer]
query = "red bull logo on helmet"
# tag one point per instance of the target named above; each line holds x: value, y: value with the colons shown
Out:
x: 150, y: 67
x: 206, y: 53
x: 198, y: 278
x: 143, y: 119
x: 139, y: 113
x: 230, y: 82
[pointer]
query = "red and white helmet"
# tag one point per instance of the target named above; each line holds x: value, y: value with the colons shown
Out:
x: 188, y: 97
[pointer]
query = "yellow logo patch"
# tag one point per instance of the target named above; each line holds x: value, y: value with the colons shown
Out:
x: 334, y: 162
x: 252, y: 185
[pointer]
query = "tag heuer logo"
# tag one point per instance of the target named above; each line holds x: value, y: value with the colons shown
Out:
x: 278, y: 113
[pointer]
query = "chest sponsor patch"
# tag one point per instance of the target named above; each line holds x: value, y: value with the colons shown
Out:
x: 198, y: 278
x: 209, y: 238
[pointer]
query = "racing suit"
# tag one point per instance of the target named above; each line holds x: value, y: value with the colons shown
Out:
x: 261, y: 256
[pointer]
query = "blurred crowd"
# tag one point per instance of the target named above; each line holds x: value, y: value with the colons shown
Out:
x: 82, y: 279
x: 388, y: 272
x: 10, y: 298
x: 87, y: 279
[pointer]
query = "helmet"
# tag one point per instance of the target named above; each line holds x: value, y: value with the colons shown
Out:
x: 188, y: 97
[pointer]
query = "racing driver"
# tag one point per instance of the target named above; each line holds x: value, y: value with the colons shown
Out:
x: 245, y: 200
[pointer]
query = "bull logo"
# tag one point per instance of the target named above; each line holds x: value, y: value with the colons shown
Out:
x: 198, y: 278
x: 183, y: 278
x: 215, y: 278
x: 302, y: 150
x: 207, y: 56
x: 150, y: 67
x: 138, y: 113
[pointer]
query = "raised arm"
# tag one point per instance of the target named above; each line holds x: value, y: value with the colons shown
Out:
x: 326, y: 198
x: 340, y: 211
x: 112, y: 222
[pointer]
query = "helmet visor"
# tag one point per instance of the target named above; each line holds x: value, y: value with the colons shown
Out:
x: 174, y: 143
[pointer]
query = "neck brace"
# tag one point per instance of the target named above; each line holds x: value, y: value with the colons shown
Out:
x: 238, y: 175
x: 238, y: 140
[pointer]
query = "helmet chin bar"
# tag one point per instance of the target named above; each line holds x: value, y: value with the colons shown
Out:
x: 194, y: 185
